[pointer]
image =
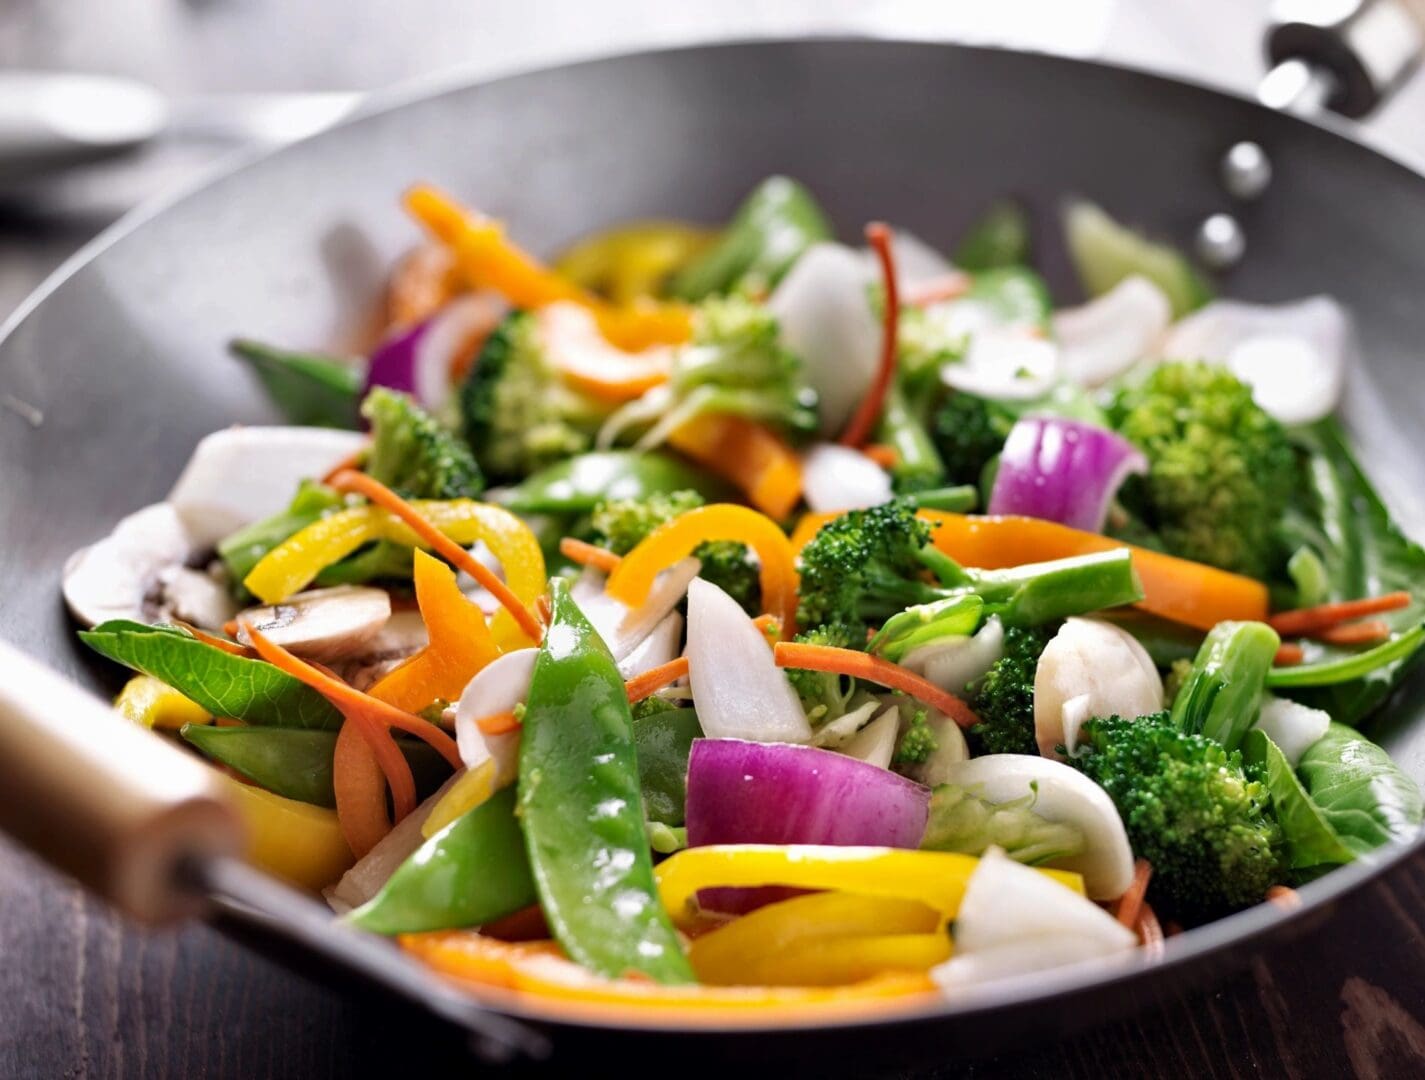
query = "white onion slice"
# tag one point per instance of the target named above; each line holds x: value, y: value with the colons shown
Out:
x: 956, y: 662
x: 1005, y: 365
x: 950, y: 749
x: 1062, y: 794
x: 1105, y: 337
x: 876, y: 742
x: 838, y: 478
x: 621, y: 627
x: 244, y: 474
x: 498, y: 687
x: 658, y: 648
x: 738, y: 690
x: 835, y: 734
x: 1041, y: 923
x: 1100, y: 662
x: 1292, y: 726
x: 1293, y: 355
x: 826, y: 319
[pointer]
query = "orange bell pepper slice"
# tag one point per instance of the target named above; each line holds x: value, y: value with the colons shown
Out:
x: 676, y: 539
x: 754, y: 458
x: 488, y: 260
x: 460, y: 642
x: 535, y: 972
x: 589, y: 362
x: 1178, y: 589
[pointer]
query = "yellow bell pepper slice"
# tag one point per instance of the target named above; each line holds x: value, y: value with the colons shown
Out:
x: 822, y: 939
x: 290, y: 566
x: 632, y: 261
x: 460, y: 643
x: 535, y: 975
x: 934, y: 878
x: 295, y: 841
x: 488, y: 260
x: 676, y: 539
x: 153, y: 704
x: 474, y: 787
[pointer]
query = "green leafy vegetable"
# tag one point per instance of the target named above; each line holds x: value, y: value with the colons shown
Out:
x: 998, y: 237
x: 663, y: 740
x: 226, y: 685
x: 1363, y: 795
x: 1105, y: 252
x: 1222, y: 694
x: 1348, y: 669
x: 307, y: 387
x: 960, y: 820
x: 1310, y: 845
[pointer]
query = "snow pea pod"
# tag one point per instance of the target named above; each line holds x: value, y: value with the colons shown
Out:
x: 297, y: 763
x: 309, y: 388
x: 473, y: 871
x: 663, y: 741
x: 775, y: 223
x: 582, y: 812
x: 578, y: 484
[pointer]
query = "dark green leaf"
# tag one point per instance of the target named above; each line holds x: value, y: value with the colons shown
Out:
x: 663, y: 741
x: 249, y: 690
x: 1362, y: 794
x: 1309, y: 840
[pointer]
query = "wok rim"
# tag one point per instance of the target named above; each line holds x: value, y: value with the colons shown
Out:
x: 1249, y: 927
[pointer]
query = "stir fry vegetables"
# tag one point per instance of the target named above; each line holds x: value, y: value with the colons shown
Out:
x: 723, y: 702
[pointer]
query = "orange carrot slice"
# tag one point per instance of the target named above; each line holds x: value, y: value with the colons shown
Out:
x: 859, y: 665
x: 586, y: 554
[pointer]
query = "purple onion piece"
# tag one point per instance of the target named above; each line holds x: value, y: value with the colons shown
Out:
x: 1063, y: 470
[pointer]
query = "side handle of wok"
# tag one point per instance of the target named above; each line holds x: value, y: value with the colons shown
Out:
x: 1344, y: 55
x: 109, y: 803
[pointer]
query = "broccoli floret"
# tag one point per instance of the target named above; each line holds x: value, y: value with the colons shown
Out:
x: 413, y: 453
x: 867, y: 565
x: 1173, y: 682
x: 652, y: 705
x: 824, y: 695
x: 1220, y: 470
x: 969, y: 431
x: 1004, y: 698
x: 918, y: 742
x: 518, y: 414
x: 1191, y: 810
x: 735, y: 365
x: 619, y: 525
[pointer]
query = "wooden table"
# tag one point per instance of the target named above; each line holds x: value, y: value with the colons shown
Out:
x: 81, y: 994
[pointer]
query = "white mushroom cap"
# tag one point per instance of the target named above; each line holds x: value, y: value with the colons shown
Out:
x: 112, y: 579
x: 322, y: 624
x: 244, y: 474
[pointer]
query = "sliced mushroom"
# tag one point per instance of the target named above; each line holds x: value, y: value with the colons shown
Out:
x: 244, y: 474
x: 118, y: 577
x: 195, y: 596
x: 323, y: 624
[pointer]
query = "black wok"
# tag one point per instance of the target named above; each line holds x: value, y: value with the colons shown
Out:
x: 124, y: 350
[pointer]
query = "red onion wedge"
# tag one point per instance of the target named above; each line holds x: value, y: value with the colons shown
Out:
x: 743, y: 792
x: 422, y: 360
x: 1062, y: 470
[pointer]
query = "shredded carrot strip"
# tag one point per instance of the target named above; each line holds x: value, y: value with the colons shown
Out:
x: 878, y: 235
x: 884, y: 456
x: 1284, y: 897
x: 1288, y: 654
x: 352, y: 463
x: 360, y: 787
x: 1131, y: 902
x: 501, y: 723
x: 1150, y: 932
x: 443, y: 546
x: 1323, y: 616
x: 1365, y: 632
x: 585, y: 554
x: 230, y: 628
x: 946, y: 287
x: 641, y: 686
x: 1172, y: 929
x: 231, y: 647
x: 348, y: 697
x: 859, y: 665
x: 544, y: 609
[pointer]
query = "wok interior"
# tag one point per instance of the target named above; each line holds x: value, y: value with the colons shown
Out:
x: 126, y: 357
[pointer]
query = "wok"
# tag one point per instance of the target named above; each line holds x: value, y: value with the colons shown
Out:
x: 123, y: 352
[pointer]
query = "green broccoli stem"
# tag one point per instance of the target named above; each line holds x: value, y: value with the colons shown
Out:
x: 954, y: 616
x: 1223, y: 692
x: 952, y: 500
x: 1038, y: 593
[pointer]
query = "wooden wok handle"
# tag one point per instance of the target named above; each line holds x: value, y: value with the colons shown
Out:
x: 109, y: 803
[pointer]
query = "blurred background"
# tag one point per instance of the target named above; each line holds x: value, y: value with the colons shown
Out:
x: 231, y: 74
